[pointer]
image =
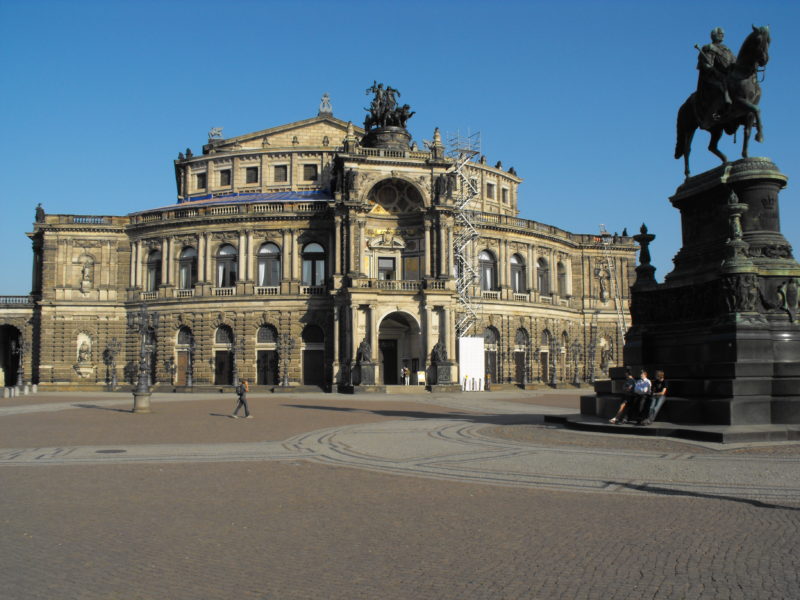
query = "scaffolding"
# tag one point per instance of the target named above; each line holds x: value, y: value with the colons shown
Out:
x: 605, y: 239
x: 461, y: 150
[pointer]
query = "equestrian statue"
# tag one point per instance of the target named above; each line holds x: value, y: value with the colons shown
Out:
x: 727, y: 93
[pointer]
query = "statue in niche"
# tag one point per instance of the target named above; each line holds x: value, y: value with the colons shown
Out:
x: 86, y: 272
x: 84, y: 353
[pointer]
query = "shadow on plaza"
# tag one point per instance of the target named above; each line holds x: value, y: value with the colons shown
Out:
x: 512, y: 419
x: 95, y: 406
x: 661, y: 491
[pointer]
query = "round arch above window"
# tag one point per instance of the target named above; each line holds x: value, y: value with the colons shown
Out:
x: 187, y: 253
x: 266, y: 334
x: 396, y: 196
x: 521, y: 337
x: 223, y: 335
x: 490, y: 336
x: 269, y: 249
x: 313, y: 334
x: 185, y: 336
x: 226, y: 250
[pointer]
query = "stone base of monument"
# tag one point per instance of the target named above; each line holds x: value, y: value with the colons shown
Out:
x: 724, y: 326
x: 388, y: 138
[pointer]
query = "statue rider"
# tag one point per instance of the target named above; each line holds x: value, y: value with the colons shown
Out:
x: 714, y: 62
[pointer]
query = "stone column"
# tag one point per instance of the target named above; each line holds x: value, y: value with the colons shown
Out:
x: 440, y: 265
x: 133, y: 262
x: 243, y: 255
x: 139, y: 264
x: 450, y: 253
x: 201, y: 257
x: 529, y: 270
x: 286, y: 256
x: 336, y: 345
x: 359, y: 244
x: 210, y: 275
x: 296, y: 258
x: 337, y: 245
x: 165, y: 261
x: 373, y: 332
x: 426, y: 242
x: 251, y: 256
x: 426, y: 338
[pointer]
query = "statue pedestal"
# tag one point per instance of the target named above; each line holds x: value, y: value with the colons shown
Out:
x: 367, y: 373
x: 724, y: 324
x: 388, y: 138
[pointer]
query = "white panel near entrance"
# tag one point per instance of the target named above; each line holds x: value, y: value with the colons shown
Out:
x: 471, y: 363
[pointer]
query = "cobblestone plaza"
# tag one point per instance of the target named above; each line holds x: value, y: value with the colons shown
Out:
x: 380, y: 496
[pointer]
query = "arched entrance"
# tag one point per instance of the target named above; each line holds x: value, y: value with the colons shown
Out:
x: 266, y: 355
x: 10, y: 339
x: 491, y: 342
x: 398, y: 346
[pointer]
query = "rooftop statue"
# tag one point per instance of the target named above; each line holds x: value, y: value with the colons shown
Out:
x: 727, y: 94
x: 383, y: 110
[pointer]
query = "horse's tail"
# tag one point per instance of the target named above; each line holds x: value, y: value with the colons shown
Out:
x: 686, y: 123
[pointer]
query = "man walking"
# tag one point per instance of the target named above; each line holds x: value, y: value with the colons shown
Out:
x: 241, y: 392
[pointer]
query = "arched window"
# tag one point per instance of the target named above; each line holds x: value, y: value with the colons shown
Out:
x: 312, y: 334
x: 313, y: 264
x: 488, y: 270
x: 521, y: 339
x: 266, y: 335
x: 224, y: 336
x: 269, y: 265
x: 491, y: 338
x: 185, y: 336
x: 517, y: 274
x: 226, y: 266
x: 187, y: 268
x: 153, y: 270
x: 561, y: 272
x: 543, y: 276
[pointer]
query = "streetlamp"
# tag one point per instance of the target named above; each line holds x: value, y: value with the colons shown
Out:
x: 238, y: 350
x: 110, y: 359
x: 190, y: 365
x: 285, y: 345
x: 169, y: 367
x: 576, y: 351
x: 142, y: 322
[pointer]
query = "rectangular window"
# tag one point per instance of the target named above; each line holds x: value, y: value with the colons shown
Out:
x: 505, y: 195
x: 281, y: 173
x: 411, y: 268
x: 309, y: 172
x: 490, y: 191
x: 200, y: 181
x: 225, y: 177
x: 251, y: 175
x: 385, y: 268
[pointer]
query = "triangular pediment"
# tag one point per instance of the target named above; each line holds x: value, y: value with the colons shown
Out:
x: 324, y: 130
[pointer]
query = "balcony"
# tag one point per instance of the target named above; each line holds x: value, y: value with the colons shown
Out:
x: 16, y: 300
x: 312, y: 290
x: 148, y: 295
x: 223, y: 291
x: 184, y: 293
x: 267, y: 291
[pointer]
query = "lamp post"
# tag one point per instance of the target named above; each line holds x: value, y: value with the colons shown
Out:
x: 110, y: 358
x: 238, y: 350
x: 190, y: 365
x: 22, y: 349
x: 142, y: 322
x: 169, y: 367
x: 575, y: 349
x: 285, y: 345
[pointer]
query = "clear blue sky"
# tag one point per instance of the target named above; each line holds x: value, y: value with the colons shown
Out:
x: 580, y: 97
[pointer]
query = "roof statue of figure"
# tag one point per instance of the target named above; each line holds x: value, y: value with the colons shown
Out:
x: 215, y: 133
x: 383, y: 110
x: 727, y: 94
x: 325, y: 107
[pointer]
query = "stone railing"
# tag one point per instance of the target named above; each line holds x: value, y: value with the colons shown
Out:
x: 184, y: 293
x: 490, y: 294
x: 16, y: 300
x: 267, y: 290
x: 223, y: 291
x: 312, y: 290
x: 148, y: 295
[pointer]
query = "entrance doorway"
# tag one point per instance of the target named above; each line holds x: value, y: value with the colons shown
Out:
x: 267, y: 367
x: 313, y: 356
x: 544, y: 357
x: 9, y: 353
x: 223, y: 367
x: 388, y: 355
x: 399, y: 345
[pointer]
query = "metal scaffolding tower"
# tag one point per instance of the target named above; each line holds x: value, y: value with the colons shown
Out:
x: 462, y: 149
x: 605, y: 238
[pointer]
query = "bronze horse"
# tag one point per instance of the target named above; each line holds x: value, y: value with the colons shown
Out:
x: 745, y: 95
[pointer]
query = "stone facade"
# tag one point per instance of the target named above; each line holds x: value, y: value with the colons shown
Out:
x: 290, y: 249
